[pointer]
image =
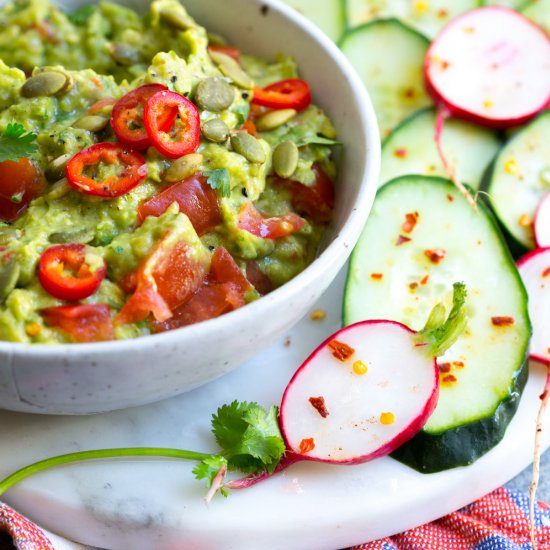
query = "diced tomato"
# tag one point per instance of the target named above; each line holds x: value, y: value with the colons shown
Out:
x: 222, y: 291
x: 226, y: 50
x: 285, y: 94
x: 182, y: 136
x: 131, y: 170
x: 164, y: 281
x: 84, y: 322
x: 254, y: 222
x: 250, y: 127
x: 261, y: 282
x: 314, y: 201
x: 20, y: 183
x: 127, y: 116
x: 64, y: 272
x: 196, y: 199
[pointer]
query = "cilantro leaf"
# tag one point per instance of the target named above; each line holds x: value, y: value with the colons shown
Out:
x: 249, y: 436
x: 302, y: 135
x: 208, y: 469
x: 81, y: 15
x: 241, y: 111
x: 219, y: 179
x: 16, y: 142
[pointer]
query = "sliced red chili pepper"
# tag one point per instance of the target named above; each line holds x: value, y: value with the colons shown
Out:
x: 315, y: 201
x: 196, y: 199
x: 293, y: 93
x: 86, y: 166
x: 84, y: 322
x: 65, y: 274
x: 184, y: 134
x: 20, y: 182
x: 127, y: 116
x: 226, y: 50
x: 164, y: 281
x: 223, y: 290
x: 254, y: 222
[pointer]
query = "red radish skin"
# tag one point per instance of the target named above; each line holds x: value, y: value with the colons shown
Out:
x: 541, y: 224
x: 352, y: 432
x: 534, y: 269
x: 491, y: 66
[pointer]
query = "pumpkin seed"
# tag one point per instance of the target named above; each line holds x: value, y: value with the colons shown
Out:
x: 327, y: 129
x: 56, y: 169
x: 123, y: 54
x: 92, y: 123
x: 214, y: 94
x: 215, y: 130
x: 74, y: 236
x: 230, y: 68
x: 183, y: 168
x: 177, y: 19
x: 9, y: 275
x: 285, y: 159
x: 58, y: 189
x: 216, y: 39
x: 46, y: 83
x: 249, y: 147
x: 274, y: 119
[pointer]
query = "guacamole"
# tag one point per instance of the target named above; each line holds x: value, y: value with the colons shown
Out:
x: 170, y: 177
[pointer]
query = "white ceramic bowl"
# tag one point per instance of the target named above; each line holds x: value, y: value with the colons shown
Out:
x: 90, y: 378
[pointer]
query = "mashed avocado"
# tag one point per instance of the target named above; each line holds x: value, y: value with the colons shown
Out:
x: 104, y: 51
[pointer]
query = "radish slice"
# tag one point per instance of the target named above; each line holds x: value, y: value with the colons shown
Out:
x: 534, y: 269
x: 491, y: 66
x: 363, y: 392
x: 542, y: 222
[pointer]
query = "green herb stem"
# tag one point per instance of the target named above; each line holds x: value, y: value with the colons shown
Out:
x: 81, y: 456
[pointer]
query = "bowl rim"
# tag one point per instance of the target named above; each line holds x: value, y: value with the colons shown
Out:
x: 344, y: 240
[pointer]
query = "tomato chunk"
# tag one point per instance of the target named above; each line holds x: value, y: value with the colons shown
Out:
x: 20, y: 183
x: 195, y: 198
x: 261, y: 282
x: 84, y: 322
x: 315, y: 201
x: 127, y: 116
x: 64, y: 273
x: 222, y: 291
x: 183, y: 134
x: 254, y: 222
x: 293, y: 93
x: 164, y: 281
x: 83, y: 169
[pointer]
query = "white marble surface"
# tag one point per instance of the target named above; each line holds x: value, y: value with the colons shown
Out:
x: 145, y: 504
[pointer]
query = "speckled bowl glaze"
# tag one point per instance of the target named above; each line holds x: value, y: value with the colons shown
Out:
x: 92, y: 378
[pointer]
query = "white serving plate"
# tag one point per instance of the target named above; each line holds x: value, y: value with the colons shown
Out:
x: 157, y: 504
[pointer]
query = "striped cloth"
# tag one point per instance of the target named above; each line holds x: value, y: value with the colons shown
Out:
x: 498, y: 521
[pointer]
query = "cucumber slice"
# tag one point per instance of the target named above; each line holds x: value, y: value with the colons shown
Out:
x: 539, y: 12
x: 521, y: 178
x: 514, y: 4
x: 427, y: 16
x: 388, y: 280
x: 330, y: 17
x: 389, y: 57
x: 411, y: 149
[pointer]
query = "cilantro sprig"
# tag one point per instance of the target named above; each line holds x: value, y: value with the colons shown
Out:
x: 16, y: 142
x: 248, y: 435
x: 219, y: 179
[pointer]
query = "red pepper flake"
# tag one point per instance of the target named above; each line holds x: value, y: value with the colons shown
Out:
x: 319, y: 405
x: 400, y: 153
x: 449, y: 379
x: 442, y: 13
x: 413, y: 286
x: 458, y: 364
x: 502, y: 321
x: 546, y: 272
x: 450, y: 198
x: 410, y: 222
x: 436, y: 255
x: 410, y: 93
x: 402, y: 240
x: 376, y: 276
x: 307, y: 445
x: 341, y: 351
x: 424, y: 280
x: 445, y: 65
x: 444, y: 367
